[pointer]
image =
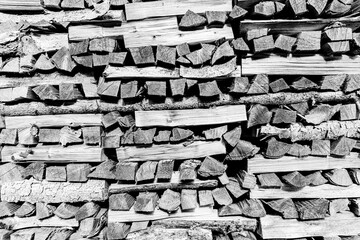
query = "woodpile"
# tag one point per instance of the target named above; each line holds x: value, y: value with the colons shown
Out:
x: 191, y: 119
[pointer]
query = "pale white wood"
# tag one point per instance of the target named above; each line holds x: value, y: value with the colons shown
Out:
x: 197, y: 149
x: 15, y: 94
x: 259, y: 164
x: 17, y: 223
x: 141, y: 10
x: 52, y: 153
x: 191, y: 117
x: 144, y: 72
x: 301, y: 65
x: 340, y: 224
x: 20, y: 5
x: 54, y: 120
x: 322, y: 191
x: 51, y: 42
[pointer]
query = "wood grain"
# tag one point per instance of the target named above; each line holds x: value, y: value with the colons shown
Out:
x: 191, y: 117
x: 197, y: 149
x: 144, y: 72
x: 16, y: 223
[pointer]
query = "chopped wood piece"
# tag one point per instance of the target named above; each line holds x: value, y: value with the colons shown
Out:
x: 240, y: 45
x: 321, y: 113
x: 216, y: 18
x: 188, y: 199
x: 112, y: 141
x: 298, y: 6
x: 85, y: 61
x: 215, y: 133
x: 355, y: 207
x: 180, y: 134
x: 128, y: 137
x: 46, y: 92
x: 7, y: 209
x: 164, y: 169
x: 56, y: 174
x: 10, y: 172
x: 121, y: 202
x: 126, y: 121
x: 260, y: 85
x: 237, y: 13
x: 265, y: 9
x: 177, y: 86
x: 77, y: 48
x: 89, y: 209
x: 312, y: 209
x: 208, y: 89
x: 28, y: 136
x: 91, y: 135
x: 352, y: 83
x: 11, y: 66
x: 258, y: 115
x: 303, y: 84
x: 26, y: 210
x: 333, y: 82
x: 128, y: 89
x: 299, y: 150
x: 348, y: 112
x: 308, y: 41
x: 67, y: 91
x: 277, y: 149
x: 243, y: 235
x: 77, y: 172
x: 72, y: 4
x: 234, y: 188
x: 252, y: 208
x: 205, y: 198
x: 201, y: 56
x: 52, y: 4
x: 66, y: 210
x: 256, y: 33
x: 332, y: 48
x: 8, y: 136
x: 104, y: 170
x: 223, y: 179
x: 301, y: 108
x: 69, y: 135
x: 146, y: 171
x: 126, y: 171
x: 242, y: 149
x: 246, y: 180
x: 146, y: 202
x: 144, y: 136
x: 142, y: 55
x: 191, y: 20
x: 285, y: 43
x: 110, y: 119
x: 182, y: 49
x: 117, y: 58
x: 156, y: 88
x: 35, y: 170
x: 339, y: 205
x: 316, y: 179
x: 170, y: 201
x: 285, y: 207
x: 166, y: 55
x: 138, y: 226
x: 222, y: 52
x: 269, y: 180
x: 162, y: 136
x: 240, y: 85
x: 44, y: 210
x: 102, y: 45
x: 117, y: 230
x: 279, y: 85
x: 49, y: 135
x: 338, y: 8
x: 188, y: 170
x: 295, y: 179
x: 221, y: 196
x: 316, y: 6
x: 339, y: 177
x: 230, y: 210
x: 337, y: 34
x: 183, y: 61
x: 342, y: 146
x: 210, y: 167
x: 284, y: 116
x: 355, y: 175
x: 100, y: 60
x: 264, y: 44
x: 63, y: 61
x: 43, y: 63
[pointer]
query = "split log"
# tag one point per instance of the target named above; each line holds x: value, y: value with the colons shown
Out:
x: 117, y: 230
x: 72, y: 4
x: 77, y: 172
x: 91, y: 135
x: 10, y: 172
x: 146, y: 202
x: 301, y: 107
x: 110, y: 119
x: 205, y: 198
x: 230, y: 210
x: 121, y: 202
x: 100, y: 60
x: 354, y: 174
x: 240, y: 45
x: 182, y: 49
x: 170, y: 201
x: 144, y: 137
x: 299, y: 150
x: 338, y: 8
x: 44, y: 63
x: 26, y: 210
x: 216, y: 18
x: 246, y: 180
x: 126, y: 171
x: 63, y: 61
x: 224, y: 51
x: 191, y: 20
x: 44, y: 210
x: 66, y: 211
x: 269, y: 180
x: 209, y: 89
x: 8, y: 136
x: 234, y: 188
x: 342, y: 146
x: 337, y: 34
x: 285, y: 43
x: 215, y: 133
x: 28, y: 136
x: 179, y: 134
x: 237, y: 13
x: 303, y: 84
x: 110, y: 88
x: 164, y: 169
x: 352, y: 83
x: 336, y: 48
x: 295, y: 179
x: 321, y: 113
x: 201, y: 56
x: 339, y: 177
x: 142, y: 55
x: 138, y: 226
x: 85, y: 61
x: 211, y: 167
x: 89, y: 209
x: 263, y: 44
x: 166, y: 55
x: 265, y: 9
x: 69, y: 135
x: 104, y: 170
x: 316, y: 179
x: 256, y: 33
x: 128, y: 89
x: 252, y: 208
x: 316, y: 7
x: 258, y: 115
x: 17, y: 94
x: 284, y: 116
x: 56, y: 174
x: 221, y: 196
x: 320, y: 147
x: 77, y: 48
x: 348, y: 112
x: 163, y: 136
x: 91, y: 190
x: 35, y: 170
x: 146, y: 171
x: 188, y: 171
x: 339, y: 205
x: 11, y: 66
x: 102, y: 45
x: 277, y: 149
x: 260, y: 85
x: 156, y: 88
x: 308, y: 41
x: 284, y: 207
x: 240, y: 85
x: 242, y: 150
x: 298, y: 7
x: 188, y: 199
x: 46, y: 92
x: 312, y: 209
x: 117, y: 58
x: 224, y: 179
x: 333, y: 82
x: 8, y: 209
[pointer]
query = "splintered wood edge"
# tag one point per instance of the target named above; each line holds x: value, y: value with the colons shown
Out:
x: 16, y: 223
x: 259, y: 164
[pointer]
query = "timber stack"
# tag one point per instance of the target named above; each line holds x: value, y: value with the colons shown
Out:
x: 179, y: 119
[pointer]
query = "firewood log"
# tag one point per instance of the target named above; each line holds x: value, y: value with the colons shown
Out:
x: 256, y: 33
x: 216, y: 18
x: 44, y: 63
x: 215, y: 133
x: 87, y: 210
x: 240, y: 45
x: 316, y: 179
x: 221, y: 196
x: 355, y: 175
x: 146, y: 202
x: 100, y: 60
x: 209, y: 89
x: 258, y: 115
x: 235, y: 188
x: 182, y: 49
x: 85, y: 61
x: 348, y: 112
x: 44, y: 210
x: 316, y: 7
x: 211, y: 167
x: 191, y: 20
x: 285, y: 43
x: 205, y: 198
x: 163, y: 136
x: 77, y: 48
x: 201, y: 56
x: 224, y: 51
x: 46, y: 92
x: 142, y: 55
x: 104, y: 170
x: 295, y: 179
x: 156, y: 88
x: 233, y: 136
x: 121, y: 201
x: 284, y: 207
x: 259, y: 85
x: 339, y: 177
x: 128, y: 89
x: 188, y: 170
x: 63, y: 61
x: 117, y: 230
x: 338, y: 205
x: 35, y: 170
x: 321, y: 113
x: 252, y: 208
x: 164, y: 169
x: 66, y: 210
x: 117, y: 58
x: 224, y: 179
x: 26, y: 210
x: 126, y: 171
x: 265, y: 9
x: 246, y: 180
x: 180, y: 134
x: 298, y: 7
x: 232, y: 209
x: 242, y: 149
x: 269, y: 180
x: 342, y: 146
x: 312, y: 209
x: 277, y: 149
x: 146, y: 171
x: 72, y: 4
x: 338, y: 8
x: 263, y: 44
x: 188, y: 199
x: 109, y: 88
x: 166, y: 55
x: 8, y: 136
x: 77, y: 172
x: 56, y: 174
x: 333, y: 82
x: 279, y: 85
x: 283, y: 116
x: 336, y: 48
x: 102, y: 45
x: 237, y: 13
x: 240, y: 85
x: 299, y: 150
x: 308, y: 41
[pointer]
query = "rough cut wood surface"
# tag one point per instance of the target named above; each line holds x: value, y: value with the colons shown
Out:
x: 143, y: 73
x: 323, y: 191
x: 196, y: 149
x: 259, y: 164
x: 141, y: 10
x: 54, y: 192
x: 218, y: 115
x: 52, y: 153
x: 343, y: 224
x: 16, y: 223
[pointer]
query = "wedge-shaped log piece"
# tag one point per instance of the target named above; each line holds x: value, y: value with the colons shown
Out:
x: 56, y: 174
x: 277, y: 149
x: 295, y: 179
x: 95, y: 190
x: 44, y: 210
x: 312, y: 209
x: 188, y: 199
x: 77, y: 172
x: 8, y: 208
x: 77, y: 48
x: 342, y: 146
x: 87, y: 210
x: 259, y: 115
x: 102, y: 45
x: 265, y: 9
x: 260, y: 85
x: 234, y: 188
x: 142, y: 55
x: 233, y: 136
x: 243, y: 149
x: 284, y: 207
x: 316, y: 7
x: 66, y: 210
x: 191, y: 20
x: 163, y: 136
x: 201, y: 56
x: 308, y: 41
x: 333, y: 82
x: 121, y: 201
x: 110, y: 89
x: 100, y: 60
x: 321, y: 113
x: 166, y: 55
x: 320, y: 147
x: 182, y: 49
x: 69, y: 135
x: 246, y: 180
x: 117, y: 230
x: 170, y: 201
x: 269, y: 180
x: 284, y: 116
x: 298, y: 7
x: 223, y: 51
x: 301, y: 107
x: 256, y: 33
x: 164, y: 169
x: 285, y: 43
x: 215, y: 133
x: 63, y: 61
x: 8, y: 136
x: 117, y: 58
x: 339, y: 205
x: 85, y: 61
x: 316, y: 179
x: 104, y: 170
x: 237, y: 13
x: 26, y: 210
x: 144, y: 136
x: 339, y: 177
x: 129, y: 89
x: 221, y: 196
x: 156, y: 88
x: 188, y: 171
x: 240, y: 85
x: 72, y: 4
x: 304, y: 84
x: 205, y: 198
x: 216, y: 18
x: 299, y: 150
x: 43, y: 63
x: 126, y: 171
x: 338, y: 8
x: 28, y: 136
x: 146, y: 202
x: 232, y: 209
x: 336, y: 48
x: 352, y: 83
x: 35, y: 170
x: 146, y: 171
x: 263, y: 44
x: 46, y: 92
x: 180, y: 134
x: 209, y: 89
x: 211, y: 167
x: 10, y: 172
x: 177, y: 87
x: 240, y: 45
x: 348, y: 112
x: 252, y: 208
